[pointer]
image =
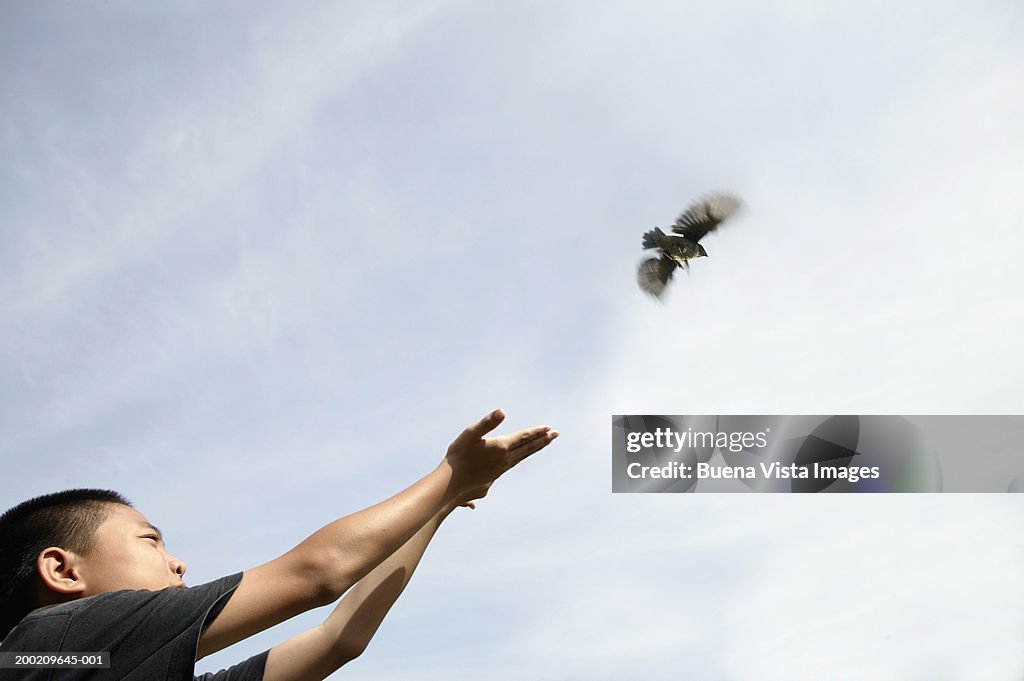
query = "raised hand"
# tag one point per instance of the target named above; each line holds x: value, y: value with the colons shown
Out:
x: 477, y: 461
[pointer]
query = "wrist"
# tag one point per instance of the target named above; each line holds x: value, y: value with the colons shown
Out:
x: 453, y: 489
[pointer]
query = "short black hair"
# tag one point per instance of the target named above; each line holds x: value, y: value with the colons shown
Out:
x: 66, y: 519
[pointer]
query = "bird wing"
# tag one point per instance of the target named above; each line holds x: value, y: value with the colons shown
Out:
x: 654, y: 274
x: 705, y: 215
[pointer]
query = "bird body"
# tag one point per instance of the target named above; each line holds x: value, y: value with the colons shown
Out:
x: 680, y: 249
x: 677, y: 249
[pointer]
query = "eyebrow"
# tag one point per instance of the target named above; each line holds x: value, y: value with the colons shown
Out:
x: 159, y: 534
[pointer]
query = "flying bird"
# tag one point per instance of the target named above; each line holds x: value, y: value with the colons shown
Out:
x: 700, y: 218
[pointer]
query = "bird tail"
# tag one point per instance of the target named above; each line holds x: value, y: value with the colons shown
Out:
x: 652, y: 239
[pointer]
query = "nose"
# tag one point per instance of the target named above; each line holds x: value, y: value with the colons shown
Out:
x: 178, y: 567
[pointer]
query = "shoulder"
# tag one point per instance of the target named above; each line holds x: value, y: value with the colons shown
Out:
x: 118, y: 609
x: 152, y: 630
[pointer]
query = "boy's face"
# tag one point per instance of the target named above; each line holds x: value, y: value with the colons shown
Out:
x: 128, y: 553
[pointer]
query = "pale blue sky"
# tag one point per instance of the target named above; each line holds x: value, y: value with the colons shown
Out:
x: 261, y: 263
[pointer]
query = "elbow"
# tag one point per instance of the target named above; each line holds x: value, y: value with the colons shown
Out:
x: 346, y: 651
x: 327, y: 576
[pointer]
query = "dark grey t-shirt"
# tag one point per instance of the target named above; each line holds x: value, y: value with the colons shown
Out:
x: 150, y: 635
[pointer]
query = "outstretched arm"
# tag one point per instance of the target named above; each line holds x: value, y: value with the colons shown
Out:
x: 322, y: 567
x: 315, y: 654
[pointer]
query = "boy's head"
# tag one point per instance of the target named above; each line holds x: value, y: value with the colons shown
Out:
x: 77, y: 543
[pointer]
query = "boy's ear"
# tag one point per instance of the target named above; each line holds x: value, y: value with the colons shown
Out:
x: 59, y: 571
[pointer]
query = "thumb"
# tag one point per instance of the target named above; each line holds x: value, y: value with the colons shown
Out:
x: 485, y: 425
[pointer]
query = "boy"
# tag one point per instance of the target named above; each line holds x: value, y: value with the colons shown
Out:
x: 84, y: 572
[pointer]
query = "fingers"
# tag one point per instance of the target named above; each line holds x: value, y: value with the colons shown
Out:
x: 532, y: 445
x: 521, y: 437
x: 485, y: 425
x: 505, y: 450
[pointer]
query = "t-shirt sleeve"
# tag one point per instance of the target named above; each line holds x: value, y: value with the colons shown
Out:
x: 150, y: 634
x: 250, y: 670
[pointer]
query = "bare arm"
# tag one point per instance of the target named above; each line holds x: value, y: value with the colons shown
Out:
x: 315, y: 654
x: 322, y: 567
